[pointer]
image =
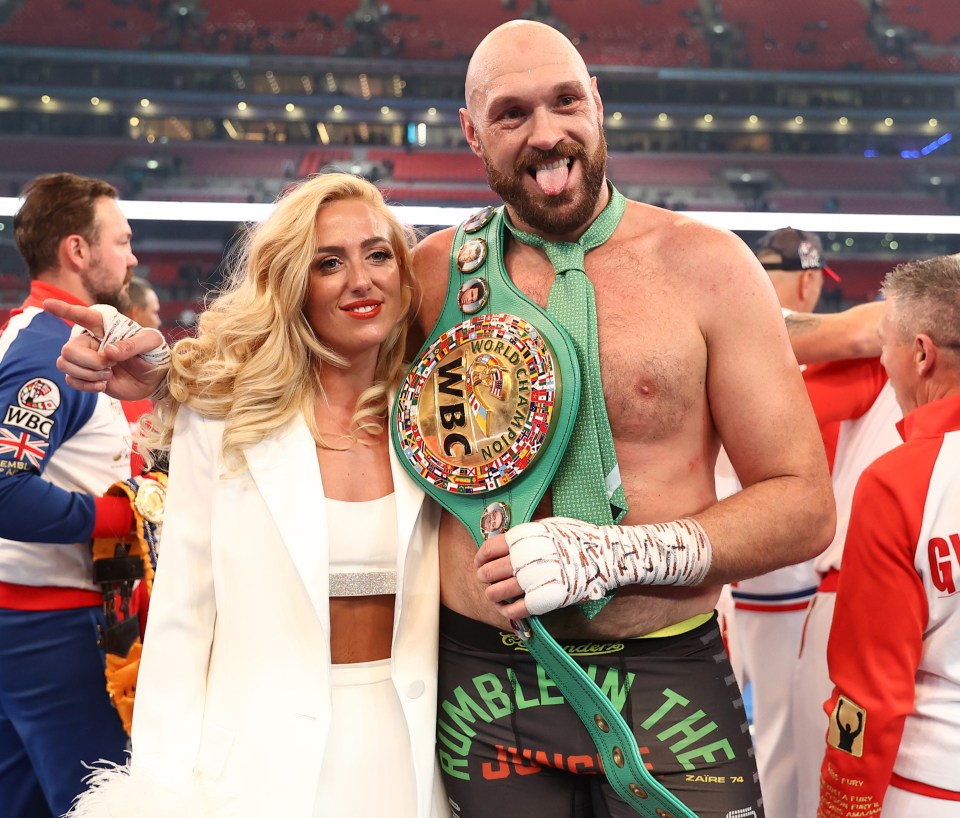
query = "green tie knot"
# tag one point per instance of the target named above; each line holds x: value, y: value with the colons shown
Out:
x: 565, y: 256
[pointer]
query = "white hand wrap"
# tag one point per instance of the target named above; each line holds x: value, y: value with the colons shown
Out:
x: 117, y: 327
x: 560, y: 562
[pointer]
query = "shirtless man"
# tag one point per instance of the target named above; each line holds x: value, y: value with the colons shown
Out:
x: 672, y: 296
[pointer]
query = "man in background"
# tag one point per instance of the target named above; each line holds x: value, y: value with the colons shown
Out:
x: 894, y: 727
x: 858, y: 412
x: 143, y: 305
x: 59, y: 451
x: 765, y: 632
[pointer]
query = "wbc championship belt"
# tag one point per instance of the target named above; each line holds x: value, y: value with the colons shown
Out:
x: 483, y: 416
x: 481, y: 422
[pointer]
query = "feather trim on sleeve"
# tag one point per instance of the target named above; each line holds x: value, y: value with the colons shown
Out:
x: 121, y: 791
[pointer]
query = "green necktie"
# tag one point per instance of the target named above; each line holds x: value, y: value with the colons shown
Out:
x: 587, y: 484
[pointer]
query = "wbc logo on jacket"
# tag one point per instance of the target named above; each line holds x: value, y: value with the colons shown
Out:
x: 37, y: 400
x: 41, y: 395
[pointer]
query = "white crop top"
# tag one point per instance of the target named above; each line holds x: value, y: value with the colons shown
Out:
x: 363, y: 546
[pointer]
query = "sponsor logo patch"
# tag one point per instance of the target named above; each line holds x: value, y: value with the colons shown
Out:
x: 847, y: 725
x: 40, y: 395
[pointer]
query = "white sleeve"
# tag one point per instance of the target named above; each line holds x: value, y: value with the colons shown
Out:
x: 171, y: 688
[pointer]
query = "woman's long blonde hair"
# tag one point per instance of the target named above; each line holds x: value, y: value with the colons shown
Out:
x: 255, y: 362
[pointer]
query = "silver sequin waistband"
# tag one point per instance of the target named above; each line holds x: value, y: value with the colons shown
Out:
x: 362, y: 583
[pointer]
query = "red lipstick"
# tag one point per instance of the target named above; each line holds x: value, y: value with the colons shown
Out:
x: 362, y: 310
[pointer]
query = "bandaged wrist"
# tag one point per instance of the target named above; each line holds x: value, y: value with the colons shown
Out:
x: 117, y: 327
x: 560, y: 562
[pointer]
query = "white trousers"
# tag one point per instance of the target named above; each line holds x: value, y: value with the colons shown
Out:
x: 764, y: 647
x: 899, y: 803
x: 367, y: 769
x: 810, y: 688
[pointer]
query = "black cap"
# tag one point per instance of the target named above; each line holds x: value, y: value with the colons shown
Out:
x: 797, y: 250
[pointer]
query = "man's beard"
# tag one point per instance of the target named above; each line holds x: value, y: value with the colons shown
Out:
x: 550, y: 214
x: 116, y: 298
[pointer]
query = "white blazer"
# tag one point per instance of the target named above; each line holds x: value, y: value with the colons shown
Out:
x: 234, y: 690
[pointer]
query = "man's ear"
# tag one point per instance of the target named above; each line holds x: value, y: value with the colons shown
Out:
x: 925, y: 354
x: 74, y: 252
x: 596, y: 98
x: 807, y: 281
x: 469, y: 131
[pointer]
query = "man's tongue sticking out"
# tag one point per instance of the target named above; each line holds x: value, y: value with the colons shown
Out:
x: 552, y: 178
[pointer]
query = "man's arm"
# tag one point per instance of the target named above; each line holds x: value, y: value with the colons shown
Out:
x: 874, y: 649
x: 835, y: 336
x: 785, y: 513
x: 118, y: 370
x: 35, y: 425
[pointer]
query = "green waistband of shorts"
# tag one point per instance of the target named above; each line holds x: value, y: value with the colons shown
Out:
x: 680, y: 627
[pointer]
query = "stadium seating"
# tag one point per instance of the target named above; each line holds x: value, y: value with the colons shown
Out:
x: 812, y: 35
x: 934, y: 21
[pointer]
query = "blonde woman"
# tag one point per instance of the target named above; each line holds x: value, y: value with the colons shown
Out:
x: 289, y: 664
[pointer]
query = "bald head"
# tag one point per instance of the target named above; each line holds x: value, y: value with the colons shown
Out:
x: 517, y: 47
x: 535, y: 118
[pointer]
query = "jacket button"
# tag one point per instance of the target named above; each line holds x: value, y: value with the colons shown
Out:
x: 415, y: 689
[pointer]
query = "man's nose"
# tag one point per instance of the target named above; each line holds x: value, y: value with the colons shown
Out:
x: 545, y: 131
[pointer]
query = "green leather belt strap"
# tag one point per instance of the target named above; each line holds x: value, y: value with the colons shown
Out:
x: 493, y: 344
x: 615, y: 742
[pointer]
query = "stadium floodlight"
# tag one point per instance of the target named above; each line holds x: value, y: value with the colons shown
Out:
x: 234, y: 212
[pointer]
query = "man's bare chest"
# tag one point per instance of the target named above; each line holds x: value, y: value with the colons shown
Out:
x: 651, y: 350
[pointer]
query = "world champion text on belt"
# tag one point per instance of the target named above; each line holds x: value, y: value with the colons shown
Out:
x: 475, y: 410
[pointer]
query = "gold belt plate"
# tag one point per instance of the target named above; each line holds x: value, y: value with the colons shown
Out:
x: 475, y: 410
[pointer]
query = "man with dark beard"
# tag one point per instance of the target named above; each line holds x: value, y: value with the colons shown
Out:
x: 60, y: 450
x: 692, y: 351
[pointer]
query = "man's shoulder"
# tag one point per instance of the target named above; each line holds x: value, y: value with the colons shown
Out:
x: 677, y: 229
x: 34, y: 337
x: 687, y: 249
x: 37, y: 323
x: 850, y: 370
x: 900, y: 469
x: 34, y: 395
x: 431, y: 256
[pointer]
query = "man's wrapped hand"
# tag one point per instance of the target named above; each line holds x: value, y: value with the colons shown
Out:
x: 559, y: 561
